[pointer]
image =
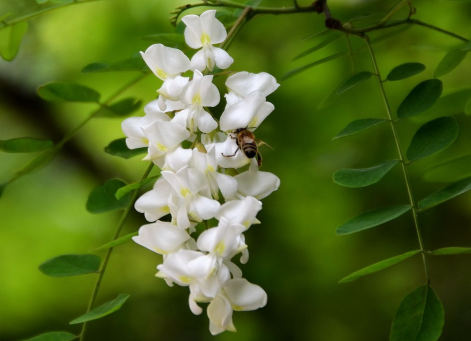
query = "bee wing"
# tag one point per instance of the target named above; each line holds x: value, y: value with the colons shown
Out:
x: 261, y: 143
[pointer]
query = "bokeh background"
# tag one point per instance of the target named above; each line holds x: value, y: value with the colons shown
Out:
x: 295, y: 254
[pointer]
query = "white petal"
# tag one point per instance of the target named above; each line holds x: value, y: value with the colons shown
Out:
x: 161, y: 237
x: 206, y: 123
x: 245, y: 296
x: 198, y: 61
x: 242, y: 113
x: 154, y: 204
x: 206, y: 208
x: 222, y: 58
x: 257, y: 184
x: 165, y: 135
x: 213, y: 27
x: 240, y: 211
x: 227, y: 184
x: 152, y: 109
x: 195, y: 308
x: 177, y: 159
x: 220, y: 316
x: 173, y: 87
x: 264, y: 110
x: 209, y: 92
x: 165, y: 61
x: 244, y: 83
x: 193, y: 31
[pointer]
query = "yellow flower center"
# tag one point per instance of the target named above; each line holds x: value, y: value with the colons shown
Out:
x: 161, y: 74
x: 205, y: 39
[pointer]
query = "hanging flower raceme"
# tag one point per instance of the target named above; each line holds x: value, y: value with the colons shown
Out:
x: 201, y: 181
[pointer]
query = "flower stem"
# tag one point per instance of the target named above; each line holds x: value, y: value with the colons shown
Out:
x: 235, y: 28
x: 110, y: 250
x: 407, y: 181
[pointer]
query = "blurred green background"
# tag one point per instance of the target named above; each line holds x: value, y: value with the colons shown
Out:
x: 295, y: 254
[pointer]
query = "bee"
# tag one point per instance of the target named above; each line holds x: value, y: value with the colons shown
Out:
x: 247, y: 142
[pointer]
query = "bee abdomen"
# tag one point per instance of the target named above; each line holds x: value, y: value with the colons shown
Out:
x: 250, y: 150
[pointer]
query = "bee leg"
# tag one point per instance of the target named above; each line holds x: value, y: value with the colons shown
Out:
x: 259, y: 159
x: 232, y: 154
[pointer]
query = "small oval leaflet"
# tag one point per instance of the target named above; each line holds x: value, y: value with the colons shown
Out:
x: 378, y: 266
x: 103, y: 310
x: 450, y: 62
x: 353, y: 81
x: 405, y: 70
x: 319, y: 46
x: 433, y: 137
x: 102, y: 199
x: 119, y: 148
x: 446, y: 194
x: 359, y: 125
x: 25, y: 145
x: 447, y: 251
x: 67, y: 92
x: 422, y: 97
x: 53, y: 336
x: 135, y: 63
x: 419, y: 317
x: 362, y: 177
x: 70, y: 265
x: 11, y: 38
x: 372, y: 218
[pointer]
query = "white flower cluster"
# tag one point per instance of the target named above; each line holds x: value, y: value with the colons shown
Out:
x: 197, y: 183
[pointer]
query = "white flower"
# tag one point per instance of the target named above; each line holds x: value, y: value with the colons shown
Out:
x: 229, y: 155
x: 199, y: 93
x: 241, y: 84
x: 223, y: 241
x: 163, y: 137
x: 255, y: 183
x: 247, y: 113
x: 204, y: 31
x: 168, y: 64
x: 132, y: 127
x: 241, y: 212
x: 155, y: 203
x: 206, y: 164
x: 238, y: 295
x: 161, y: 237
x: 191, y: 187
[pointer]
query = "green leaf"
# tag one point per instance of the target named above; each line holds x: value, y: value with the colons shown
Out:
x: 119, y: 148
x: 103, y: 310
x: 446, y: 194
x: 131, y: 187
x: 251, y: 3
x: 135, y: 63
x: 301, y: 69
x: 67, y: 92
x: 419, y: 317
x: 2, y: 188
x: 10, y: 40
x: 433, y: 137
x: 54, y: 336
x: 359, y: 125
x: 121, y: 108
x: 362, y: 177
x: 319, y: 46
x: 319, y: 34
x: 378, y: 266
x: 449, y: 62
x: 116, y: 242
x: 102, y: 199
x: 422, y: 97
x: 449, y: 171
x: 372, y: 218
x: 70, y: 265
x: 354, y: 80
x: 25, y: 145
x: 446, y: 251
x: 405, y: 71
